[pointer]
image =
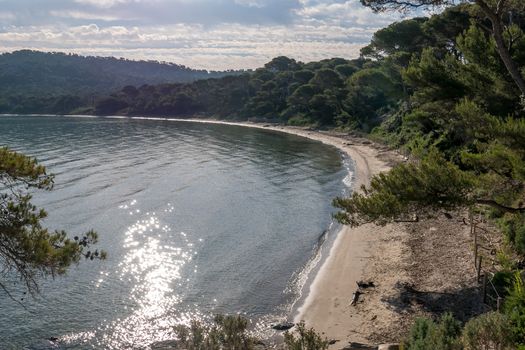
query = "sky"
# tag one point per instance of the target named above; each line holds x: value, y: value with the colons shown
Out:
x: 204, y: 34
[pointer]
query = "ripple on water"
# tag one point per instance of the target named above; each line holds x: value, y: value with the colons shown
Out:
x: 196, y: 219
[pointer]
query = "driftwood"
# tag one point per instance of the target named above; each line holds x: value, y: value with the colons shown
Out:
x: 364, y: 285
x: 355, y: 297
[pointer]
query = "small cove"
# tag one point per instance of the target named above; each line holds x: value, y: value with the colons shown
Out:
x: 197, y: 219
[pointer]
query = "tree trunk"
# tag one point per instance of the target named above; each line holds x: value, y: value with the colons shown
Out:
x: 494, y: 204
x: 503, y: 51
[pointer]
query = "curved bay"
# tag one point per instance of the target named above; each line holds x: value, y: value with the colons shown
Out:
x: 196, y: 219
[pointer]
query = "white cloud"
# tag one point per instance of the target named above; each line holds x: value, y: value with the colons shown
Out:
x: 208, y: 34
x: 250, y: 3
x: 4, y: 15
x: 224, y: 47
x: 103, y: 3
x: 83, y: 15
x: 342, y: 13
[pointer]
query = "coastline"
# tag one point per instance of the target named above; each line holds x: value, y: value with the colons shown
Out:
x: 351, y: 258
x: 420, y: 268
x: 353, y: 255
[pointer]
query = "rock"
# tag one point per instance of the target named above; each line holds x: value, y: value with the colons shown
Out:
x: 364, y: 285
x: 283, y: 326
x: 388, y: 347
x: 332, y: 341
x: 52, y: 339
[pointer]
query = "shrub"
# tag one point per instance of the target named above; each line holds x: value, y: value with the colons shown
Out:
x: 502, y: 281
x: 487, y: 331
x: 419, y: 334
x: 306, y: 339
x: 513, y: 226
x: 514, y: 308
x: 429, y: 335
x: 228, y: 332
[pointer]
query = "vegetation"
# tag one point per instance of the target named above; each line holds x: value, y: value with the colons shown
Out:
x: 487, y: 331
x: 462, y: 124
x: 228, y: 332
x: 39, y: 82
x: 231, y: 333
x: 428, y: 335
x: 448, y: 90
x: 465, y: 149
x: 28, y: 250
x: 282, y: 91
x: 304, y: 339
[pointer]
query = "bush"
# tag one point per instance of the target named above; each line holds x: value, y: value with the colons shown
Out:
x: 429, y: 335
x: 502, y: 281
x: 487, y: 331
x: 300, y: 120
x: 306, y: 339
x: 513, y: 226
x: 419, y: 334
x: 514, y: 308
x: 228, y: 332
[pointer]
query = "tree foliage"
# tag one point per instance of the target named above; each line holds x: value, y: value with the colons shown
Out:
x: 496, y: 12
x: 414, y: 188
x: 462, y: 123
x: 35, y: 73
x: 227, y: 333
x: 304, y: 339
x: 231, y: 333
x: 27, y: 249
x: 426, y: 334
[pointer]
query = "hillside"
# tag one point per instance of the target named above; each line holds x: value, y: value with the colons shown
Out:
x: 33, y: 73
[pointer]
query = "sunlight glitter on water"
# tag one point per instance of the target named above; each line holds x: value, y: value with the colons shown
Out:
x: 153, y: 261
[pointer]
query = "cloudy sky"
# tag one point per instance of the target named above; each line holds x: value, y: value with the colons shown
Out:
x: 210, y: 34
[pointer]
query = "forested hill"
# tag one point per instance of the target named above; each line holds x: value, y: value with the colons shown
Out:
x: 362, y: 93
x: 32, y: 73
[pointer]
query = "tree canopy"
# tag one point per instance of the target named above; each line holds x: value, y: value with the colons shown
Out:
x: 462, y: 124
x: 497, y: 12
x: 29, y: 251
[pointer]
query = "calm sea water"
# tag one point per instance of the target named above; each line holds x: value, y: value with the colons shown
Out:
x: 197, y: 219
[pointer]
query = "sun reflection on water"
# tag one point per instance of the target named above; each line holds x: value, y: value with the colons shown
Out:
x: 152, y: 265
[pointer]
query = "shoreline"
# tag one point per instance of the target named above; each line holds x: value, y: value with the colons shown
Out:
x: 350, y: 258
x: 432, y: 256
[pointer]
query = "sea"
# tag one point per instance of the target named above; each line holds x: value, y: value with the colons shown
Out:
x: 197, y: 219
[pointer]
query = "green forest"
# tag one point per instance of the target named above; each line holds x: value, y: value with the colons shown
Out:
x: 55, y: 82
x: 448, y: 90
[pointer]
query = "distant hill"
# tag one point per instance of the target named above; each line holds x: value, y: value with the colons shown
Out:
x: 34, y: 73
